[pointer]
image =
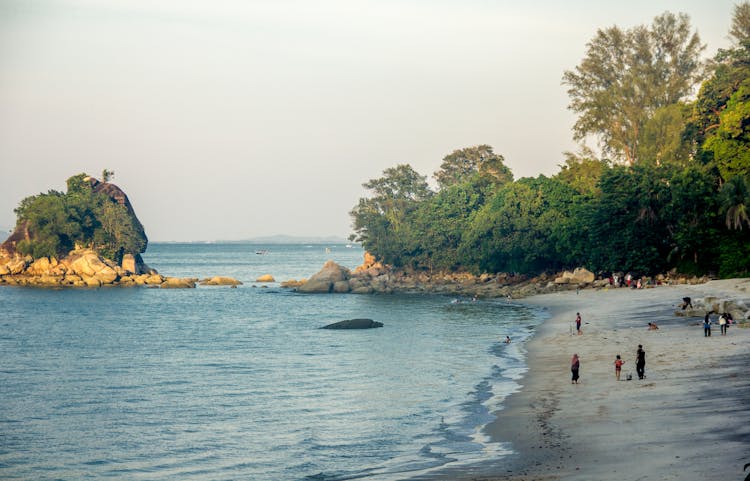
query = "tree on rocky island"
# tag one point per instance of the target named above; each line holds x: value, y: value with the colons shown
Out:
x: 90, y: 214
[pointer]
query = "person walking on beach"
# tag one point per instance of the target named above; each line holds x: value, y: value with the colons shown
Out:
x: 640, y: 362
x: 707, y: 324
x: 723, y: 324
x: 618, y: 366
x: 575, y: 365
x: 578, y: 323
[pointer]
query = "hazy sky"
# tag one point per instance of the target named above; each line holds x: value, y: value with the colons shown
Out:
x: 229, y: 119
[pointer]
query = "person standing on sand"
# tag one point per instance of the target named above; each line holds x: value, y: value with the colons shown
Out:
x: 723, y: 324
x: 578, y: 323
x: 575, y: 365
x: 618, y: 366
x: 707, y: 324
x: 640, y: 362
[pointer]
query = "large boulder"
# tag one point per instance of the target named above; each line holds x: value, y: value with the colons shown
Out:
x: 177, y: 283
x: 41, y: 266
x: 220, y: 281
x: 265, y: 278
x: 579, y: 276
x: 354, y: 324
x: 370, y: 267
x: 325, y: 279
x: 128, y: 264
x: 89, y: 265
x: 17, y: 265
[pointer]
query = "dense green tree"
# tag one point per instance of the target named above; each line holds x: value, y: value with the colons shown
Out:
x: 46, y: 219
x: 381, y: 222
x: 735, y: 203
x: 627, y: 75
x: 728, y: 142
x: 524, y: 227
x: 439, y: 225
x: 664, y: 139
x: 582, y: 171
x: 740, y: 29
x: 478, y: 164
x: 719, y: 125
x: 625, y: 232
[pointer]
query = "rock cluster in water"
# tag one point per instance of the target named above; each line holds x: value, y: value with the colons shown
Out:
x: 86, y: 268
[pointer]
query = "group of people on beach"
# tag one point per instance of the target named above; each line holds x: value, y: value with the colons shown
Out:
x: 640, y: 357
x: 724, y: 321
x: 640, y: 365
x: 628, y: 280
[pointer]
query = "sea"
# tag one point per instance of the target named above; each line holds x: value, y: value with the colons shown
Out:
x: 220, y: 383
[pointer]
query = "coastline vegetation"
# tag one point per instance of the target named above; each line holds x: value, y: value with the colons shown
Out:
x: 668, y: 187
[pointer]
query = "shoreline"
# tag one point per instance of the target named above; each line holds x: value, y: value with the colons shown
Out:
x: 688, y: 419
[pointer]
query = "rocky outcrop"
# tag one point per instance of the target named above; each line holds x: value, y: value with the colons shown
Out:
x: 738, y: 308
x: 82, y: 268
x: 331, y: 278
x: 265, y: 278
x: 354, y: 324
x: 375, y: 278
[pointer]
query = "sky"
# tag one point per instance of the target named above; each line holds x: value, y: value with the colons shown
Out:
x: 233, y: 119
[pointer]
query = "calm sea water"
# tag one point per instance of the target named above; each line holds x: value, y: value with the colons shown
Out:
x: 217, y: 383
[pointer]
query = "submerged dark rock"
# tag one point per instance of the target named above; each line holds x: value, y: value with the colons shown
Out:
x: 354, y: 324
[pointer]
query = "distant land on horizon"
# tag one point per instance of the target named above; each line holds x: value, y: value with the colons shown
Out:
x: 272, y: 239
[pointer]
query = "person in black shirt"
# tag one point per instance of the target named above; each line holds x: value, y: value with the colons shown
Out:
x: 640, y: 362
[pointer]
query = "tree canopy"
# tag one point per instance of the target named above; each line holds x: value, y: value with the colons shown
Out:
x: 671, y: 191
x: 627, y: 75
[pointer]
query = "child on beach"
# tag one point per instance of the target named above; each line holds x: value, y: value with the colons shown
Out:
x: 578, y: 323
x: 618, y: 366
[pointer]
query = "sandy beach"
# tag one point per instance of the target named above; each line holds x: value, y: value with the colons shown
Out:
x: 689, y: 419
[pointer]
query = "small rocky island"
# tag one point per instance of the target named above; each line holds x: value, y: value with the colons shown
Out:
x: 88, y: 236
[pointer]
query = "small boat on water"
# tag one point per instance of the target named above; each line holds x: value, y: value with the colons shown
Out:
x: 261, y: 252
